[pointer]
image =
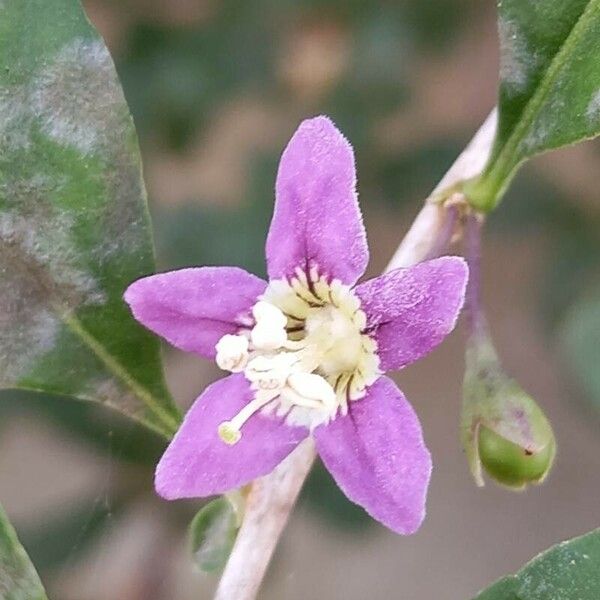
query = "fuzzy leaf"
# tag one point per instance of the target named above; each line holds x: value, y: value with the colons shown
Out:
x: 74, y: 228
x: 567, y: 571
x: 549, y: 85
x: 18, y: 577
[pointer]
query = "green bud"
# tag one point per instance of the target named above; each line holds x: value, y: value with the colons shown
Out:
x: 510, y: 464
x: 213, y: 531
x: 503, y: 430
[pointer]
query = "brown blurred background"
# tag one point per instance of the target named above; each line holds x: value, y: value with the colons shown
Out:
x: 216, y: 88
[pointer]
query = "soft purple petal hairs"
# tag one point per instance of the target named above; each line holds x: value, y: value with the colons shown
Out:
x: 307, y: 350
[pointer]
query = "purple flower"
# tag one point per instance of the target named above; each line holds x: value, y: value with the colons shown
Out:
x: 306, y: 350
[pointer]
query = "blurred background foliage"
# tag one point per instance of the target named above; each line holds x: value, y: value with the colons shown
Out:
x: 216, y: 88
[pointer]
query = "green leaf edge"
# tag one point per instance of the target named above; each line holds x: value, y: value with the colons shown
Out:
x: 171, y: 424
x: 9, y: 542
x: 508, y: 584
x: 485, y: 191
x: 170, y: 421
x: 228, y: 506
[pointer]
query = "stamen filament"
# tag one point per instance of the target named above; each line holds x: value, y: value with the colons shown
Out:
x: 296, y: 399
x: 230, y: 431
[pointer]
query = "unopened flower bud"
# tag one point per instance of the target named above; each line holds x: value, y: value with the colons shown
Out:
x: 511, y: 464
x: 503, y: 430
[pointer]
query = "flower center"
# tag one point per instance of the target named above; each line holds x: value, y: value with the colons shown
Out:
x: 307, y: 355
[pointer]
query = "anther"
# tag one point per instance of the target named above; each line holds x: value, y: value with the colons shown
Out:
x: 269, y: 315
x: 232, y: 353
x: 267, y: 337
x: 313, y: 388
x: 270, y: 372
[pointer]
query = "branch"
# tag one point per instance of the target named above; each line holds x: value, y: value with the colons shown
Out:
x: 271, y: 498
x: 268, y: 507
x: 421, y: 239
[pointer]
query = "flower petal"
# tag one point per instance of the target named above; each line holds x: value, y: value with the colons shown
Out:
x: 194, y: 308
x: 198, y: 463
x: 316, y: 218
x: 412, y: 310
x: 377, y: 456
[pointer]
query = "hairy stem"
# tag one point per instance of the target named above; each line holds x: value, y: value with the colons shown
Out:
x: 271, y: 498
x: 422, y: 238
x: 473, y: 305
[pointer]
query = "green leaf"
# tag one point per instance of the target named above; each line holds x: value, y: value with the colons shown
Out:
x: 568, y: 571
x: 503, y: 589
x: 74, y: 228
x: 581, y: 343
x: 549, y: 86
x: 18, y: 577
x: 213, y: 532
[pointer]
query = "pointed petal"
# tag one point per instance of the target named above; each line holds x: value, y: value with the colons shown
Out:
x: 317, y: 219
x: 377, y: 456
x: 412, y: 310
x: 198, y: 463
x: 194, y: 308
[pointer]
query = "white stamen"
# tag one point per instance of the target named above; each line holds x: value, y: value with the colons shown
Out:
x: 269, y: 373
x: 292, y: 345
x: 312, y: 388
x: 307, y: 399
x: 232, y: 353
x: 266, y: 337
x: 268, y: 314
x: 230, y: 431
x: 269, y: 332
x: 311, y: 376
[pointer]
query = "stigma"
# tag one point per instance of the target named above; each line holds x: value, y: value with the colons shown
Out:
x: 307, y: 355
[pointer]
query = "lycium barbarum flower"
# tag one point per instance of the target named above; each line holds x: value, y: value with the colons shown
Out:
x: 307, y: 350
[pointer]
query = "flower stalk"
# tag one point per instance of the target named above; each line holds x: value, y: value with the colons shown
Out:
x: 268, y: 507
x: 503, y: 430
